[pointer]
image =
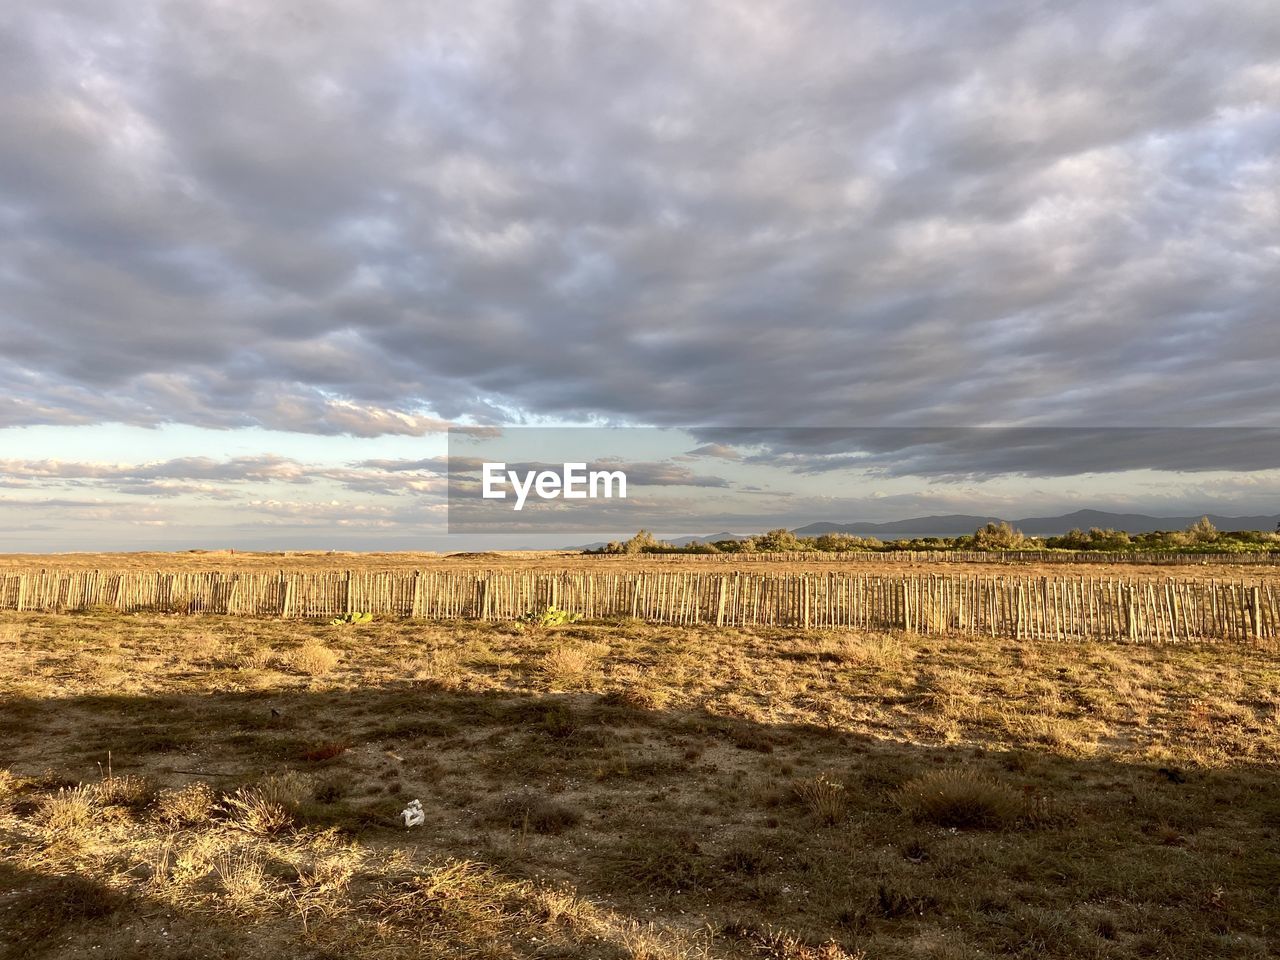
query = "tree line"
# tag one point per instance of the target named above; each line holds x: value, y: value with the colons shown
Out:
x: 1200, y: 537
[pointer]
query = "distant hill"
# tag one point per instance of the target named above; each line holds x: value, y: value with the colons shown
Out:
x: 952, y: 525
x: 947, y: 525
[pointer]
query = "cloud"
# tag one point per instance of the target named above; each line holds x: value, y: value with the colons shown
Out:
x: 383, y: 219
x: 718, y: 450
x: 208, y: 477
x: 968, y: 453
x: 267, y: 467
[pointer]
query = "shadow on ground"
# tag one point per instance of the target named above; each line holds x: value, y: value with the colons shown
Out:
x: 715, y: 827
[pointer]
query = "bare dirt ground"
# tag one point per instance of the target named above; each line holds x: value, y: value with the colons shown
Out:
x: 218, y: 787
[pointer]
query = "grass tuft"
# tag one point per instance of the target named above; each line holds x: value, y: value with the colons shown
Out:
x: 189, y: 805
x: 536, y: 814
x: 313, y: 659
x: 665, y: 860
x: 826, y: 799
x: 249, y: 810
x: 568, y: 665
x: 960, y: 798
x: 68, y: 816
x: 242, y: 876
x: 123, y: 791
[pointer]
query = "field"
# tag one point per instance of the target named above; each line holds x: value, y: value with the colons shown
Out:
x: 212, y: 786
x: 1219, y: 566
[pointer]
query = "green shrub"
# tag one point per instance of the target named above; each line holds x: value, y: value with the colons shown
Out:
x: 780, y: 541
x: 551, y: 616
x: 352, y: 618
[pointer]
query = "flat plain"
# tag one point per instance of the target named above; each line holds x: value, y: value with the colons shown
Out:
x: 211, y: 786
x: 1212, y: 566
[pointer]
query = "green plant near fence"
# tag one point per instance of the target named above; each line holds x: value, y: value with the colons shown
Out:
x: 549, y: 616
x: 346, y: 618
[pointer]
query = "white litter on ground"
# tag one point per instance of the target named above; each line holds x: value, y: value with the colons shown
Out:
x: 413, y: 815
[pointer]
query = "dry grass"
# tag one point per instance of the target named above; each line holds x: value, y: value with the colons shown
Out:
x: 189, y: 805
x: 440, y: 667
x: 612, y: 791
x: 313, y: 659
x: 961, y: 798
x: 287, y: 789
x: 10, y: 785
x: 825, y: 798
x: 122, y: 791
x: 568, y: 665
x: 68, y: 816
x: 252, y: 811
x: 255, y: 657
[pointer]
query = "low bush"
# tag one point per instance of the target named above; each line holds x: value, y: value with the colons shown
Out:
x: 551, y: 616
x: 960, y: 798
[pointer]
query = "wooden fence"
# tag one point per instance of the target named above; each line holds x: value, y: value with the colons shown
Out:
x: 1148, y: 610
x: 1011, y: 557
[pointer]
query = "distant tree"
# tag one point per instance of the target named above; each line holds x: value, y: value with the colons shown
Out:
x: 1203, y: 531
x: 778, y: 541
x: 1108, y: 539
x: 837, y: 542
x: 642, y: 542
x: 998, y: 536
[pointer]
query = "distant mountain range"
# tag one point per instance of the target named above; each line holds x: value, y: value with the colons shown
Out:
x: 960, y: 524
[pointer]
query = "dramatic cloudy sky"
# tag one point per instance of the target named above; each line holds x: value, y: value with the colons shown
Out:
x: 256, y: 257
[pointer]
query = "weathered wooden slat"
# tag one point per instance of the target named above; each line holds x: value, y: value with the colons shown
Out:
x: 1046, y: 608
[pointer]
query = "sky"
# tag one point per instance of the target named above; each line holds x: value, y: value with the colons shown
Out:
x: 256, y: 259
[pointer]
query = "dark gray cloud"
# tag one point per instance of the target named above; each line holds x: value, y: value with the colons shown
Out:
x: 377, y: 218
x: 976, y: 453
